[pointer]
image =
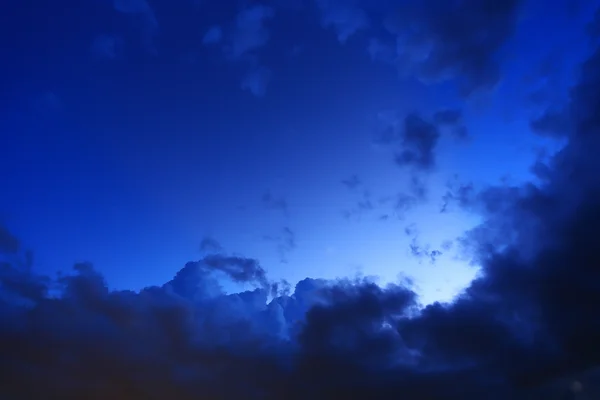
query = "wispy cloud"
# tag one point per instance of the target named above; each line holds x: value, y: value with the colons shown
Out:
x: 256, y: 81
x: 452, y: 118
x: 272, y: 202
x: 141, y: 10
x: 213, y: 35
x: 107, y: 47
x: 210, y: 245
x: 346, y: 18
x: 285, y: 242
x: 250, y: 32
x: 240, y: 43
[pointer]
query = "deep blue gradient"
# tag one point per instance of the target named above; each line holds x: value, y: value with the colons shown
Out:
x: 379, y: 199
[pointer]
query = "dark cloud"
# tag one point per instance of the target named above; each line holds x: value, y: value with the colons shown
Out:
x: 459, y: 194
x: 448, y: 116
x: 439, y: 40
x: 210, y: 245
x: 593, y: 27
x: 433, y: 255
x: 413, y: 138
x: 9, y: 243
x: 240, y: 269
x: 452, y: 119
x: 364, y: 203
x: 552, y: 123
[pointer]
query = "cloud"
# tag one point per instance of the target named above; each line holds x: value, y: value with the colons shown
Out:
x: 250, y: 32
x: 418, y: 250
x: 345, y: 17
x: 209, y: 244
x: 526, y: 328
x: 213, y: 35
x: 144, y: 13
x: 286, y: 243
x: 452, y: 119
x: 107, y: 47
x: 414, y: 138
x: 8, y: 242
x: 418, y: 141
x: 364, y: 204
x: 256, y: 80
x: 240, y: 43
x: 552, y: 123
x: 352, y: 182
x: 271, y: 202
x: 380, y: 51
x: 458, y: 193
x: 445, y: 40
x: 402, y: 204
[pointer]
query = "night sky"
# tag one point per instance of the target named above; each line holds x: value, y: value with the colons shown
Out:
x: 300, y: 199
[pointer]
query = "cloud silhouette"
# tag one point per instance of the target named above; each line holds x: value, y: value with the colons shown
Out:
x: 210, y: 244
x: 413, y: 138
x: 446, y: 40
x: 363, y: 202
x: 419, y: 139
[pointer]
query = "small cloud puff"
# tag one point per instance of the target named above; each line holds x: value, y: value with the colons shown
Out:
x: 213, y: 35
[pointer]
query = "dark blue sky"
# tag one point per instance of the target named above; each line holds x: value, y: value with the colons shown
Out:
x: 134, y: 130
x: 322, y: 139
